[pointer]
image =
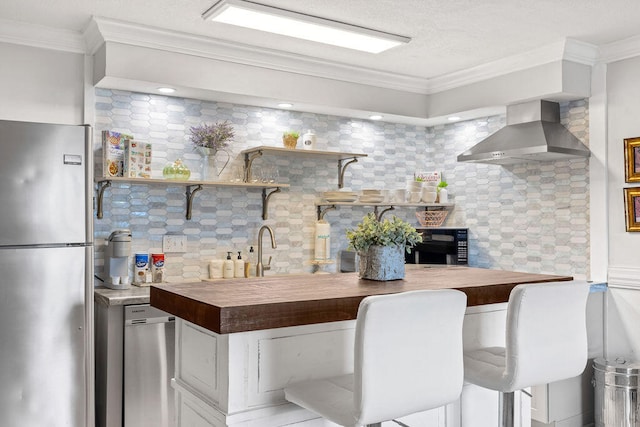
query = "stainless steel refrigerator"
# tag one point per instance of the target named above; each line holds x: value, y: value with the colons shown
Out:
x: 46, y: 275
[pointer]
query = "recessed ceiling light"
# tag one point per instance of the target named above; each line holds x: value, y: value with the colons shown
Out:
x: 288, y: 23
x: 375, y: 117
x: 166, y: 90
x: 453, y: 118
x: 285, y: 105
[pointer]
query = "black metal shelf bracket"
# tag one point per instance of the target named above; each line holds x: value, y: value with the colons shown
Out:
x: 384, y: 211
x: 321, y: 211
x: 248, y: 161
x: 191, y: 191
x: 342, y: 168
x: 265, y: 201
x: 102, y: 185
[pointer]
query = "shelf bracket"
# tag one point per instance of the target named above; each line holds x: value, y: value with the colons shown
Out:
x: 102, y: 185
x: 321, y: 211
x: 190, y: 194
x: 248, y: 161
x: 265, y: 201
x: 384, y: 211
x: 342, y: 168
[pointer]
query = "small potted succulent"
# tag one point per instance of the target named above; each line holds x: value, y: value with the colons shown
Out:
x: 290, y: 138
x: 381, y: 245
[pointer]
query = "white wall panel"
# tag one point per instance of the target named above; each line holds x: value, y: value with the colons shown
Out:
x: 40, y: 85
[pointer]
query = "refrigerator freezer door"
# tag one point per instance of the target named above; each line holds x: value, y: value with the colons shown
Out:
x: 42, y: 353
x: 42, y: 183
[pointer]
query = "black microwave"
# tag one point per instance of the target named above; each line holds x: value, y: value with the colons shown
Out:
x: 444, y: 245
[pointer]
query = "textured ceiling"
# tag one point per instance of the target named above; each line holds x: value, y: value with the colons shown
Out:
x: 447, y: 35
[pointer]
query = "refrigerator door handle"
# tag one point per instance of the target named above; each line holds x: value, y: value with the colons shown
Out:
x: 72, y: 159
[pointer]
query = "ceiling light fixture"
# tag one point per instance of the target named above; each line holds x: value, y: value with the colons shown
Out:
x: 375, y: 117
x: 166, y: 90
x: 453, y: 118
x: 285, y: 105
x: 288, y: 23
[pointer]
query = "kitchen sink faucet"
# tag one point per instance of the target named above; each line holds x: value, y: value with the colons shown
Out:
x: 259, y: 267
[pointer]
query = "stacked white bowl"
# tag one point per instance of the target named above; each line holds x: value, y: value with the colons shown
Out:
x: 414, y: 189
x: 371, y: 196
x: 429, y: 192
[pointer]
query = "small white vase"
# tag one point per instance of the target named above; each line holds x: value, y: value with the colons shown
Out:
x: 443, y: 196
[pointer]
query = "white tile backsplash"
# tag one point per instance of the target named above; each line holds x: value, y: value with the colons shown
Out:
x: 530, y: 217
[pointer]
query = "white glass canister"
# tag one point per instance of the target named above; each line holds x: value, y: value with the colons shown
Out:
x: 309, y: 140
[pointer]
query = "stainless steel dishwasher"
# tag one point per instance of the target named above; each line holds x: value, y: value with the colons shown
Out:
x: 149, y: 352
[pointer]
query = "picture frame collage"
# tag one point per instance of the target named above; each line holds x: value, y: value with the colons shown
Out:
x: 632, y: 176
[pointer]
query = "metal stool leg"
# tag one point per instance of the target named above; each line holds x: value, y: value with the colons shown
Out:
x: 507, y: 413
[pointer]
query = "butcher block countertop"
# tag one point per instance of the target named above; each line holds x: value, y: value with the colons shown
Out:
x: 240, y: 305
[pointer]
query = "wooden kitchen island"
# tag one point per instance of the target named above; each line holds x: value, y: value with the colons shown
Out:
x: 239, y: 342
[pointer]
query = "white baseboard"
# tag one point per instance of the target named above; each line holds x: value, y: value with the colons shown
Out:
x: 624, y: 277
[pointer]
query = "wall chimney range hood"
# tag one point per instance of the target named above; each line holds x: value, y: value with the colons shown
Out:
x: 533, y: 133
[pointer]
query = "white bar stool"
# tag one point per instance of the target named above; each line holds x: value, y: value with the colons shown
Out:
x: 546, y: 341
x: 407, y: 359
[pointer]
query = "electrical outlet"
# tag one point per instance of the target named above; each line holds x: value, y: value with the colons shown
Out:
x: 174, y: 243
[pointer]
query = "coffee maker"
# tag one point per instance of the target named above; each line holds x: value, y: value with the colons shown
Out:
x: 116, y: 263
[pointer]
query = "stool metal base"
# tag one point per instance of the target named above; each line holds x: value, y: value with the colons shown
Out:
x: 507, y: 414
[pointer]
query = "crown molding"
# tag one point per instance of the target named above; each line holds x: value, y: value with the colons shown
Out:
x: 26, y: 34
x: 101, y: 30
x: 173, y: 41
x: 93, y: 38
x: 619, y: 50
x: 156, y: 38
x: 568, y: 49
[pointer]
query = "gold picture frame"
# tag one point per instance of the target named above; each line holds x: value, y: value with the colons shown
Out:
x: 632, y: 208
x: 632, y: 159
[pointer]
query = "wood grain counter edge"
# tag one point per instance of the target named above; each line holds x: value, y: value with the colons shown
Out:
x: 274, y: 302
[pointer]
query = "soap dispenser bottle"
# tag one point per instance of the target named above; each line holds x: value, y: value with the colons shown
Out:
x: 227, y: 267
x: 249, y: 263
x: 239, y: 266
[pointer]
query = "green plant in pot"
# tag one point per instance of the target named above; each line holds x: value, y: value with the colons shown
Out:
x: 381, y: 245
x: 290, y: 138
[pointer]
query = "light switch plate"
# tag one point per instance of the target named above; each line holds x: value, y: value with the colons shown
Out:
x: 174, y: 243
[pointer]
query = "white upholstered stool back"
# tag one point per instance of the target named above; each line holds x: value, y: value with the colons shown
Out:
x: 408, y: 359
x: 546, y: 339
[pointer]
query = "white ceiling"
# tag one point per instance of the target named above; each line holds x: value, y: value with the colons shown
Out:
x: 447, y: 35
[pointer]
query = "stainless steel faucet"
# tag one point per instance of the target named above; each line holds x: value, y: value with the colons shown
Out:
x: 259, y: 267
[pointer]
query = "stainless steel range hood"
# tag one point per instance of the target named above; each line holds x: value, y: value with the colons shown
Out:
x: 533, y: 133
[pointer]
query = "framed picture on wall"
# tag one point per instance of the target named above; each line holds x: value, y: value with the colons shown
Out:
x: 632, y: 208
x: 632, y: 159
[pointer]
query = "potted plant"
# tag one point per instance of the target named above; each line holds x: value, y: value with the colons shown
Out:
x: 381, y: 246
x: 208, y: 140
x: 290, y: 138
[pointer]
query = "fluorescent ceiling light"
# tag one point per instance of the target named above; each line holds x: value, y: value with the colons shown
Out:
x: 280, y: 21
x: 375, y: 117
x: 285, y: 105
x: 453, y: 118
x: 166, y: 90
